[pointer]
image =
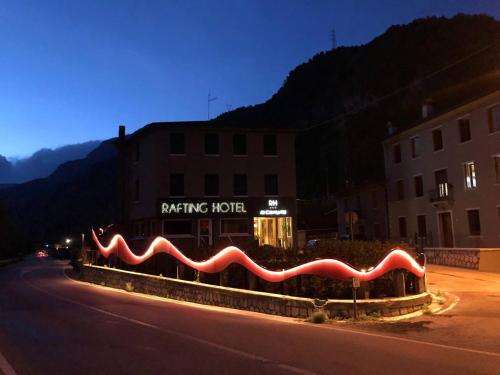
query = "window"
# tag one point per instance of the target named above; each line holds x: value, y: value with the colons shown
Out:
x: 270, y: 147
x: 437, y: 139
x: 177, y: 227
x: 400, y: 190
x: 234, y: 226
x: 474, y: 222
x: 402, y: 227
x: 211, y: 144
x: 494, y: 118
x: 137, y: 191
x: 442, y: 187
x: 271, y: 184
x: 497, y: 169
x: 177, y: 144
x: 397, y: 153
x: 240, y: 184
x: 415, y: 147
x: 419, y: 186
x: 421, y: 226
x: 239, y: 144
x: 211, y: 184
x: 464, y: 129
x: 177, y: 184
x: 470, y: 175
x: 137, y: 152
x: 377, y: 232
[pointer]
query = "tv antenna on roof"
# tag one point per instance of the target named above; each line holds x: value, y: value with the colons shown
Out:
x: 333, y: 37
x: 209, y: 100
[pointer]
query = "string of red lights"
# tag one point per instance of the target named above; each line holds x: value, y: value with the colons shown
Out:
x: 329, y: 268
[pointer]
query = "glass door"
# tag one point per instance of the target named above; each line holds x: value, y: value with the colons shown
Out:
x: 205, y: 238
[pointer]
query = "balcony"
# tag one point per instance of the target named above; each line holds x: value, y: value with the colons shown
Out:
x: 443, y: 195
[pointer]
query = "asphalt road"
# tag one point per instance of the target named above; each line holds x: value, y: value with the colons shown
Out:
x: 50, y: 324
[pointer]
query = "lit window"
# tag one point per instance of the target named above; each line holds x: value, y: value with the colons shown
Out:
x: 415, y: 147
x: 470, y: 175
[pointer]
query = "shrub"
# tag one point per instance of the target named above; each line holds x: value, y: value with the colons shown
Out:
x: 318, y: 317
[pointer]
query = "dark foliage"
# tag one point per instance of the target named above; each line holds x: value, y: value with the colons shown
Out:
x: 355, y: 91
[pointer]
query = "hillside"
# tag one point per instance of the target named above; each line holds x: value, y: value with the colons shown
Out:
x: 42, y: 163
x: 354, y: 91
x: 78, y: 194
x: 346, y: 95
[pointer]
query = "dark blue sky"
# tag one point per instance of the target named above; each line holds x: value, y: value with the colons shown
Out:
x: 71, y: 71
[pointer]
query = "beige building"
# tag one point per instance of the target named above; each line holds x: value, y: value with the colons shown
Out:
x: 443, y: 177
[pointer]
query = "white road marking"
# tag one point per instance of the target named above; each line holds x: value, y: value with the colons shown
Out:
x: 227, y: 349
x: 5, y: 367
x: 452, y: 305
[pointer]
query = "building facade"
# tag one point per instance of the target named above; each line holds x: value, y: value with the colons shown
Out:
x: 369, y: 204
x: 443, y: 177
x: 205, y: 186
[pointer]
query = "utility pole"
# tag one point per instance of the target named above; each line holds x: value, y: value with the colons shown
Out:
x: 209, y: 100
x: 333, y: 37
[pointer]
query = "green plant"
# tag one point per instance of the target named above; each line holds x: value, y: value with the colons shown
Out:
x: 317, y: 317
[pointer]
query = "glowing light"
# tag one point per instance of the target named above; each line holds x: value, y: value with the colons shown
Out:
x: 68, y: 241
x: 330, y: 268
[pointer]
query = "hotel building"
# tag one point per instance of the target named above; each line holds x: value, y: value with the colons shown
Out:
x: 443, y: 177
x: 202, y: 185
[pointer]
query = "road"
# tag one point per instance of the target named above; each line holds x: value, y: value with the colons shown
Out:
x: 50, y: 324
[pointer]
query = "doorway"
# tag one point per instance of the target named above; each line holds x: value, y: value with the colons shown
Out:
x: 205, y: 237
x: 445, y: 229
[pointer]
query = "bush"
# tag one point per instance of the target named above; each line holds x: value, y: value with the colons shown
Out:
x: 318, y: 317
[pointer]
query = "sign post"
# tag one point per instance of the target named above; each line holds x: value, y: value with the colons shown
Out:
x: 355, y: 285
x: 351, y: 217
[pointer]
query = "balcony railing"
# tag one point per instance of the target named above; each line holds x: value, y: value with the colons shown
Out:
x: 442, y: 194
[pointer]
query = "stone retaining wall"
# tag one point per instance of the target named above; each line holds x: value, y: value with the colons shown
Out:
x: 482, y: 259
x: 463, y: 258
x: 274, y: 304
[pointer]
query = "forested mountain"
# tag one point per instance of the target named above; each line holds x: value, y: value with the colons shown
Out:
x: 42, y: 163
x: 354, y: 91
x: 340, y: 102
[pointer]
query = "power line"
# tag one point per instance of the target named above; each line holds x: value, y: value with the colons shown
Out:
x: 401, y: 89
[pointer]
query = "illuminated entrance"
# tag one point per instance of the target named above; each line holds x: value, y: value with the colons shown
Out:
x: 274, y: 231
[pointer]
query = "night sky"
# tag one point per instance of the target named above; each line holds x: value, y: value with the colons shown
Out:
x: 71, y: 71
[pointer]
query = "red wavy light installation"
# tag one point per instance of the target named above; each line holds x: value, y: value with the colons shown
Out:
x: 330, y: 268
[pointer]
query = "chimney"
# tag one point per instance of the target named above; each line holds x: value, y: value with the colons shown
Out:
x: 427, y: 108
x: 391, y: 129
x: 121, y: 132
